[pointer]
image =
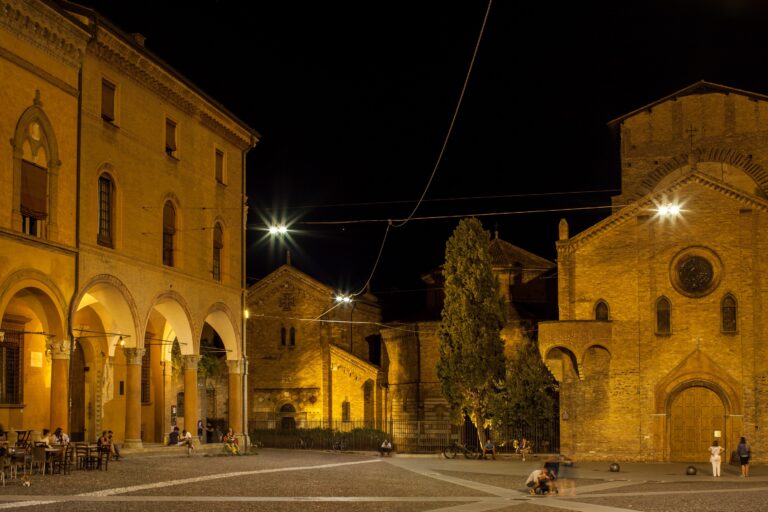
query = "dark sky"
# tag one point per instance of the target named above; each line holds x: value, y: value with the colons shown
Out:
x: 353, y: 101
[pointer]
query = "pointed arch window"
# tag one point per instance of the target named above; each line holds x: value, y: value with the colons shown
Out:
x: 601, y: 311
x: 728, y: 313
x: 293, y: 337
x: 218, y: 246
x: 663, y: 316
x: 169, y: 233
x: 282, y: 336
x: 106, y: 210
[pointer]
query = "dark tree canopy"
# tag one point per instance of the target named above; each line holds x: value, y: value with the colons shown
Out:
x: 530, y: 390
x: 471, y: 366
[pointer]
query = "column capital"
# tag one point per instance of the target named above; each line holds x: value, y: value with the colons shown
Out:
x: 58, y: 349
x: 133, y: 355
x: 236, y: 366
x: 190, y: 361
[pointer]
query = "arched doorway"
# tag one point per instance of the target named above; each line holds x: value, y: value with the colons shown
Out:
x: 696, y: 415
x: 287, y: 417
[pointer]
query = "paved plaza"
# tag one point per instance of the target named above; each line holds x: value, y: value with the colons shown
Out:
x: 312, y: 480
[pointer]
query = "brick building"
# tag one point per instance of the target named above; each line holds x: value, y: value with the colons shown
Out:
x: 660, y: 344
x: 315, y: 361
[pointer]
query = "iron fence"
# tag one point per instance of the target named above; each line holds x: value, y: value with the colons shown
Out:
x: 407, y: 436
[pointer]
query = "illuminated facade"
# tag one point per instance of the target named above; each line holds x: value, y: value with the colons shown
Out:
x: 660, y: 344
x: 109, y: 256
x: 318, y: 360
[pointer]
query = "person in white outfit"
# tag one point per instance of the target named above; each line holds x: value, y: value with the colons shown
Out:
x: 715, y: 453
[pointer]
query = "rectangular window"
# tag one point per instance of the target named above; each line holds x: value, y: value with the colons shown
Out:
x: 108, y: 101
x: 170, y: 137
x: 105, y: 211
x: 220, y: 166
x: 145, y: 366
x: 34, y: 198
x: 11, y: 349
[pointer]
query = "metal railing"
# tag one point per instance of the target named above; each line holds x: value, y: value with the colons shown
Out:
x: 407, y: 436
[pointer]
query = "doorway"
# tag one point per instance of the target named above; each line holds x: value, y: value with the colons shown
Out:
x: 696, y: 414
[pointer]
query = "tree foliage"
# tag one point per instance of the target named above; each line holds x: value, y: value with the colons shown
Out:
x: 530, y: 390
x: 471, y: 365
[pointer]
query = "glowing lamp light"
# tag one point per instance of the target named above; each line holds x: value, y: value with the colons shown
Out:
x: 669, y: 210
x: 278, y: 230
x: 247, y: 314
x: 343, y: 298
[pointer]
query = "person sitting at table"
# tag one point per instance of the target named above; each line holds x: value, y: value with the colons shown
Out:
x: 59, y: 437
x: 45, y: 438
x: 113, y: 447
x: 105, y: 444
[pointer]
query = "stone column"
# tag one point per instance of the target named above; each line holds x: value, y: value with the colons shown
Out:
x: 190, y: 393
x: 133, y: 357
x: 59, y: 384
x: 235, y: 395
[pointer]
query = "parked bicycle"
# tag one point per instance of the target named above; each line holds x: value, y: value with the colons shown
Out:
x: 470, y: 452
x: 339, y: 444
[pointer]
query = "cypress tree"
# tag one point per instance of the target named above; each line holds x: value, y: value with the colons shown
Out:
x: 471, y: 365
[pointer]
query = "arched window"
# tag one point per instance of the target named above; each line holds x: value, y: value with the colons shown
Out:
x: 282, y: 336
x: 601, y: 311
x: 293, y: 336
x: 728, y: 313
x: 106, y: 210
x: 169, y: 232
x: 663, y: 316
x: 218, y: 245
x: 36, y: 166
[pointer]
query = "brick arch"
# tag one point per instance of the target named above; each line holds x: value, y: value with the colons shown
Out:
x: 698, y: 370
x: 729, y: 156
x: 122, y: 290
x: 569, y: 355
x: 229, y: 332
x: 178, y: 321
x: 30, y: 278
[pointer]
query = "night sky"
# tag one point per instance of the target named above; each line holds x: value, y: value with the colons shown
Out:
x: 353, y: 102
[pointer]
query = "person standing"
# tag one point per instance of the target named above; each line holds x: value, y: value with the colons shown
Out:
x: 715, y: 457
x: 200, y: 430
x: 744, y: 454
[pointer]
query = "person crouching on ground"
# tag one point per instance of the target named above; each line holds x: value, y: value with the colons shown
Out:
x: 538, y: 481
x: 385, y: 448
x: 231, y: 442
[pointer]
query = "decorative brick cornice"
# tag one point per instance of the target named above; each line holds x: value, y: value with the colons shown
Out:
x: 143, y: 70
x: 648, y: 203
x: 711, y: 154
x: 43, y: 27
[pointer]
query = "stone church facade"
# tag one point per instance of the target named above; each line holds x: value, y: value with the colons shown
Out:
x: 660, y: 346
x: 315, y: 360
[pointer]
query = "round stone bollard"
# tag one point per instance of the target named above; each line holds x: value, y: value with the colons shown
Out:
x: 690, y: 470
x: 615, y: 468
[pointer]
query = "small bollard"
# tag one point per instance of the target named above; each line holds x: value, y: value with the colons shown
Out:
x: 690, y: 470
x: 615, y: 468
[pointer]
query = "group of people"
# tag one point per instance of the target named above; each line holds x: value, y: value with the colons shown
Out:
x: 520, y: 447
x: 743, y: 453
x: 59, y: 438
x: 184, y: 438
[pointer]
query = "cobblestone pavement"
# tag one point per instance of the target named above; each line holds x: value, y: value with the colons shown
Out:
x: 313, y: 480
